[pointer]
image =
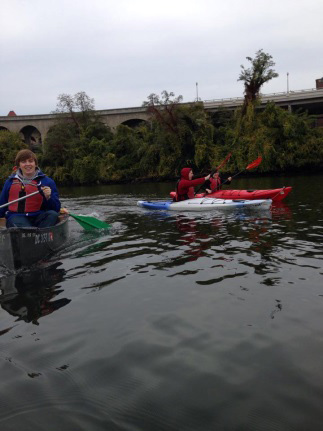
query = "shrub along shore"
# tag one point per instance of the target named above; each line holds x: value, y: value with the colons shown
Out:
x: 81, y: 150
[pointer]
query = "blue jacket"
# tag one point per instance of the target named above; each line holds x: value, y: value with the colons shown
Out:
x: 52, y: 203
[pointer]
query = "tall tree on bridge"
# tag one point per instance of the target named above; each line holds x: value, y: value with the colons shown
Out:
x: 78, y: 108
x: 163, y: 109
x: 254, y: 77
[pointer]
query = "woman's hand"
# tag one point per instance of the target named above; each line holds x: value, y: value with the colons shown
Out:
x: 208, y: 191
x: 230, y: 179
x: 47, y: 192
x: 208, y: 177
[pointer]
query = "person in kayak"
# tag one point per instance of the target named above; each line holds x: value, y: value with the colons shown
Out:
x: 41, y: 209
x: 215, y: 182
x: 185, y: 186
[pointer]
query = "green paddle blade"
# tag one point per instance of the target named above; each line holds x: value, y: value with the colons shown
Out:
x: 89, y: 223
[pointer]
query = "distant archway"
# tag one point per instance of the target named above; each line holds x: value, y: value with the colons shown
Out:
x: 31, y: 136
x: 3, y: 128
x: 135, y: 122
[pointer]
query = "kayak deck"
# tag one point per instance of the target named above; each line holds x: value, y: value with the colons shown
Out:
x: 275, y: 194
x: 206, y: 204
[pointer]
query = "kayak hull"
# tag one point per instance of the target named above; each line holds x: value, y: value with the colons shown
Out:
x: 23, y: 247
x: 275, y: 195
x: 206, y: 204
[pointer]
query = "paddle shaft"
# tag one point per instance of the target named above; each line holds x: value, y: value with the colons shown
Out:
x: 216, y: 169
x: 19, y: 199
x: 233, y: 177
x: 246, y: 169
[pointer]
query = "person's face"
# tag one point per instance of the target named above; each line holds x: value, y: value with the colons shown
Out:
x: 190, y: 175
x: 216, y: 175
x: 28, y: 167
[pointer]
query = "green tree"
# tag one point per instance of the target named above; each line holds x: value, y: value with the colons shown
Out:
x: 164, y: 108
x: 10, y: 144
x: 78, y: 108
x: 75, y: 145
x: 258, y: 74
x: 181, y: 134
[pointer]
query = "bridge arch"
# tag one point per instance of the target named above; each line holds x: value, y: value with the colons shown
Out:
x: 134, y: 122
x: 31, y: 136
x: 3, y: 128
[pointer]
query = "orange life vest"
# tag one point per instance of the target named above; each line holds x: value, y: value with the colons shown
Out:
x: 18, y: 190
x: 215, y: 184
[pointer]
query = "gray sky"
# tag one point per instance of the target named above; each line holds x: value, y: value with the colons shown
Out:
x: 120, y: 51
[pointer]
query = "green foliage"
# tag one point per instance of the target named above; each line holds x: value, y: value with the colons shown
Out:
x: 79, y: 109
x: 287, y: 141
x: 184, y: 135
x: 75, y: 148
x: 58, y: 144
x: 178, y: 135
x: 258, y: 74
x: 10, y: 144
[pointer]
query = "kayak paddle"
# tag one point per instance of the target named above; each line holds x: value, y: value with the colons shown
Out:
x: 19, y: 199
x: 224, y: 162
x: 251, y: 165
x: 89, y: 223
x: 215, y: 169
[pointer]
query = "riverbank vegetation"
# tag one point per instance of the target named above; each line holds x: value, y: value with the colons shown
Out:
x: 81, y: 149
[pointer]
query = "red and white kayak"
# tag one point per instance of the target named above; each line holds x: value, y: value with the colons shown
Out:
x: 275, y: 195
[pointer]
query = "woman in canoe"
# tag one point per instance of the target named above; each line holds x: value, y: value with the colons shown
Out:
x: 39, y: 210
x: 185, y: 186
x: 215, y: 182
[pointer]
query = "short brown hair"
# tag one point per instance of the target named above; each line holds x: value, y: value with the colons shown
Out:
x: 25, y: 155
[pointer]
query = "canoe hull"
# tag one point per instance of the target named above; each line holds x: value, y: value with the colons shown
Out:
x: 275, y: 195
x: 23, y: 247
x: 206, y: 204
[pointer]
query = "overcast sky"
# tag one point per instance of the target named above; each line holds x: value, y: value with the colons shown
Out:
x: 120, y: 51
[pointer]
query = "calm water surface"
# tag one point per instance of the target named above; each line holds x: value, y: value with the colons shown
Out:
x: 171, y: 321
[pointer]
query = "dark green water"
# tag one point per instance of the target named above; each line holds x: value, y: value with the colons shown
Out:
x: 172, y: 321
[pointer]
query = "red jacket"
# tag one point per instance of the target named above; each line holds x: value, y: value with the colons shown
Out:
x: 185, y: 187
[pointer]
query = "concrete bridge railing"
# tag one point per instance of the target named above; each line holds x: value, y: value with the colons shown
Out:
x: 283, y: 98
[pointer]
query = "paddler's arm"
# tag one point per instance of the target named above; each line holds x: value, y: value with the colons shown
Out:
x: 4, y: 197
x: 51, y: 195
x: 198, y: 181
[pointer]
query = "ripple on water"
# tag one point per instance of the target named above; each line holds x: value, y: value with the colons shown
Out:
x: 173, y: 322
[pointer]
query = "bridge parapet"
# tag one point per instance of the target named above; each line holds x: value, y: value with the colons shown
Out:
x: 283, y: 98
x: 310, y: 100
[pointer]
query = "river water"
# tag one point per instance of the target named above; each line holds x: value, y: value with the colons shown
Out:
x: 170, y: 321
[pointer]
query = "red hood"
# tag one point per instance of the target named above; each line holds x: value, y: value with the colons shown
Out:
x: 185, y: 172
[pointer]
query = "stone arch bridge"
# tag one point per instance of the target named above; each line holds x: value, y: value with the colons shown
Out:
x: 34, y: 128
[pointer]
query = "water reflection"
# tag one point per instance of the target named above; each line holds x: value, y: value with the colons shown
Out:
x: 29, y: 295
x: 212, y: 235
x: 280, y: 210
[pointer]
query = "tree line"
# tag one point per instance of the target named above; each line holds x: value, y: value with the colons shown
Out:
x: 81, y: 149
